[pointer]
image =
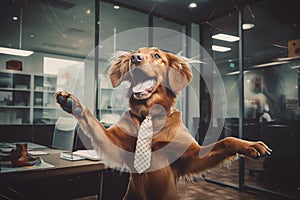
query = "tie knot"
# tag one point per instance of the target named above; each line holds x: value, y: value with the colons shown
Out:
x: 147, y: 118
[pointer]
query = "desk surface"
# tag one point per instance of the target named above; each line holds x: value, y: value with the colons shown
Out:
x: 61, y: 167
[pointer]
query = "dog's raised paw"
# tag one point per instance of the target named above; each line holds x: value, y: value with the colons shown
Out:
x: 68, y: 103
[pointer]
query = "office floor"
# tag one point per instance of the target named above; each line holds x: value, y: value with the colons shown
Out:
x: 210, y: 191
x: 205, y: 190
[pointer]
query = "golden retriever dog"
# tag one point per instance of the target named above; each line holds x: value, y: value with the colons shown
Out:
x: 155, y: 79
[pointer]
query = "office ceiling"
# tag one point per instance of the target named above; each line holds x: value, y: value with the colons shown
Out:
x: 179, y: 9
x: 64, y: 26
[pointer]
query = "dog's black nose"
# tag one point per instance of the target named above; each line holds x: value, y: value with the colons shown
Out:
x: 136, y: 58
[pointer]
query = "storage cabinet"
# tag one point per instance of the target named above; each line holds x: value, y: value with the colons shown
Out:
x: 27, y: 98
x: 14, y: 98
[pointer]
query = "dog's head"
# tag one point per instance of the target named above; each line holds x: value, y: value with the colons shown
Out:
x: 152, y: 73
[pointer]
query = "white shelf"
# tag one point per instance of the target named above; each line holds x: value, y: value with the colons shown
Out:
x: 45, y: 107
x: 113, y: 109
x: 45, y: 91
x: 14, y: 107
x: 14, y: 89
x: 27, y: 89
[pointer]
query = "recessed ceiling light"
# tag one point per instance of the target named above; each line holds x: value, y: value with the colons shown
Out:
x: 220, y: 48
x: 248, y: 26
x: 15, y: 18
x: 116, y: 7
x: 88, y: 11
x: 225, y: 37
x: 193, y: 5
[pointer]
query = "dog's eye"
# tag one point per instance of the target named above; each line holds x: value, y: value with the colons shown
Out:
x: 156, y: 55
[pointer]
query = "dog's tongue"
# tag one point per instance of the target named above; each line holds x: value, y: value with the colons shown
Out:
x: 144, y: 87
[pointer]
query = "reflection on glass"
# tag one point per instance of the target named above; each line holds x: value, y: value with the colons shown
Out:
x: 256, y: 102
x: 272, y: 111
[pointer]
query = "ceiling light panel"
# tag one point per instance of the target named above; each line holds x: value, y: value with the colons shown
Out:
x: 270, y: 64
x: 15, y: 52
x: 236, y: 72
x: 225, y: 37
x: 295, y: 67
x: 220, y: 48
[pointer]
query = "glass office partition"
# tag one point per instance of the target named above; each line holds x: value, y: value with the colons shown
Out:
x: 220, y: 39
x: 271, y: 49
x: 121, y: 30
x: 115, y: 19
x: 60, y: 30
x: 171, y: 36
x: 175, y: 44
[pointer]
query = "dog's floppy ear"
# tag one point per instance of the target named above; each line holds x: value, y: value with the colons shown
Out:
x: 179, y: 73
x: 119, y: 68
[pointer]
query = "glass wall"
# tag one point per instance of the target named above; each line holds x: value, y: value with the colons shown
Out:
x: 121, y: 30
x: 124, y: 30
x: 271, y: 57
x: 220, y: 39
x: 61, y: 37
x: 58, y: 36
x: 174, y: 42
x: 115, y: 19
x: 177, y: 43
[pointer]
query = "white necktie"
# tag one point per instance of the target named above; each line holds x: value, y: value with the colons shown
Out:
x: 142, y: 157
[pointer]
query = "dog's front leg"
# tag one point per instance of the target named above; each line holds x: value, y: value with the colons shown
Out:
x: 100, y: 136
x: 214, y: 155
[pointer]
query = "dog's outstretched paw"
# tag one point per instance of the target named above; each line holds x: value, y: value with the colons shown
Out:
x: 254, y: 150
x: 257, y: 150
x: 68, y: 103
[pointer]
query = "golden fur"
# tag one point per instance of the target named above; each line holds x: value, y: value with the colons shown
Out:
x: 180, y: 155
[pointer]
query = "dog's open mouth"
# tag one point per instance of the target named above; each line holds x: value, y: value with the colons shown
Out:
x: 143, y: 89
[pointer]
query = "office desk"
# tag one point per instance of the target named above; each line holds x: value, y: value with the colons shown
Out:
x: 66, y: 180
